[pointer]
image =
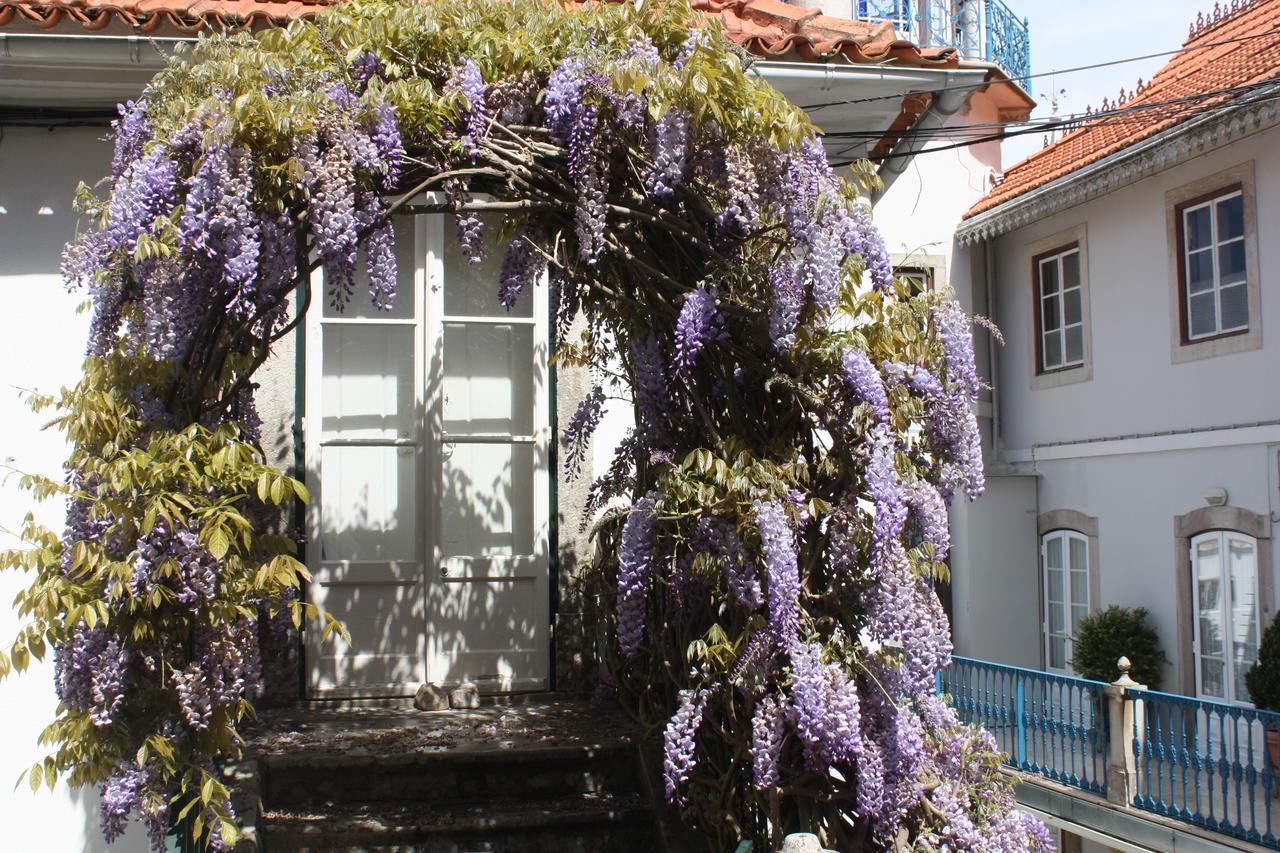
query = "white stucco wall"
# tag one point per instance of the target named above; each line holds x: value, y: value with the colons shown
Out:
x: 1135, y: 498
x: 1136, y: 387
x: 43, y: 345
x: 919, y: 213
x: 1136, y: 489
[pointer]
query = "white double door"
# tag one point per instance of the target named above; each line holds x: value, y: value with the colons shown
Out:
x: 427, y: 449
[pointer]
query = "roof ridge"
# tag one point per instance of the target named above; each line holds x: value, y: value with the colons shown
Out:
x: 1235, y: 48
x: 1219, y: 15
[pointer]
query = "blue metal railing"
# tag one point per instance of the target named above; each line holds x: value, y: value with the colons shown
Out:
x: 1050, y: 725
x: 1206, y: 763
x: 1006, y: 39
x: 979, y: 29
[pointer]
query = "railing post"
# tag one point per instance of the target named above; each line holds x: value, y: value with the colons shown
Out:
x: 1022, y: 724
x: 1124, y: 723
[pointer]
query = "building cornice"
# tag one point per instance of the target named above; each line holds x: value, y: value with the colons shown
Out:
x: 1189, y: 139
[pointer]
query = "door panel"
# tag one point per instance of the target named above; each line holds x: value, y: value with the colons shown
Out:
x: 429, y: 470
x: 366, y: 471
x: 488, y: 595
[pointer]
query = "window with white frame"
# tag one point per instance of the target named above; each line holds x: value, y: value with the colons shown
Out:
x: 1215, y: 289
x: 1064, y: 558
x: 1224, y: 574
x: 919, y: 277
x: 1059, y: 309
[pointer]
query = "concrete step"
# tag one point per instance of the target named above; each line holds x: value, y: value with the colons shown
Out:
x: 467, y: 772
x: 580, y: 824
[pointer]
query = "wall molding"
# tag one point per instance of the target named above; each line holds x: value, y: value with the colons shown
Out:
x: 1162, y: 151
x: 1233, y: 436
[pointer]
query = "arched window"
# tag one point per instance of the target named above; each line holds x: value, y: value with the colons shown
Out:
x: 1224, y: 572
x: 1224, y: 593
x: 1064, y: 560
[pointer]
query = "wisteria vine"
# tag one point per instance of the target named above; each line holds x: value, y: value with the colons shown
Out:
x: 769, y: 532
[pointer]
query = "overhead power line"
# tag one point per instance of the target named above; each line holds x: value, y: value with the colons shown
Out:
x: 1179, y: 114
x: 1066, y: 123
x: 1012, y: 80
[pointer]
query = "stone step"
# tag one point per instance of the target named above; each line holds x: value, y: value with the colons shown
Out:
x: 582, y: 824
x: 316, y: 777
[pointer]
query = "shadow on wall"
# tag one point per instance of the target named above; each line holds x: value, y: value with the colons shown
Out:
x: 470, y: 599
x: 39, y: 172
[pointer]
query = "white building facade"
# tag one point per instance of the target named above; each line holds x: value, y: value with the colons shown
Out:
x: 1143, y: 414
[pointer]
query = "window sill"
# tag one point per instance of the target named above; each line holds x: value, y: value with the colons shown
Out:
x: 1062, y: 376
x: 1227, y: 344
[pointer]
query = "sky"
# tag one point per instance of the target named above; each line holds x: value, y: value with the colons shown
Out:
x: 1070, y: 33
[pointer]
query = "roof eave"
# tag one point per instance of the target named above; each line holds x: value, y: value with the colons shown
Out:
x: 1191, y: 138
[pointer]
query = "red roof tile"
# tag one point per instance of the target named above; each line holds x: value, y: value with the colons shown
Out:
x: 766, y: 27
x: 1237, y: 46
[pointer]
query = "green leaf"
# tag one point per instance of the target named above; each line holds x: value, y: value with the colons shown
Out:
x: 206, y: 789
x: 219, y: 543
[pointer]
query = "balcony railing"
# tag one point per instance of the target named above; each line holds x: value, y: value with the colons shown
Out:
x: 1207, y: 763
x: 979, y: 29
x: 1048, y: 725
x: 1194, y: 760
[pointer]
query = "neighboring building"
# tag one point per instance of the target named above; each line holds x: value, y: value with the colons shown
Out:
x: 1133, y: 268
x: 428, y: 431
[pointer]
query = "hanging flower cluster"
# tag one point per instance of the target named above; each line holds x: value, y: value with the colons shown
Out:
x: 768, y: 532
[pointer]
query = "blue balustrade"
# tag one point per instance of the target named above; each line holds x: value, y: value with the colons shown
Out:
x: 1006, y: 39
x: 979, y: 29
x: 1206, y: 763
x: 1050, y: 725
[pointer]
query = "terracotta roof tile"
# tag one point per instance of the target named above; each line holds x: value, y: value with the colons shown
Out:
x: 768, y: 28
x: 1250, y: 55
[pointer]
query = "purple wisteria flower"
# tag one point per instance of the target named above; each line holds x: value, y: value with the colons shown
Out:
x: 380, y: 251
x: 365, y: 67
x: 824, y: 709
x: 635, y: 557
x: 695, y: 325
x: 865, y: 382
x: 90, y: 673
x: 679, y: 744
x: 388, y: 144
x: 719, y: 538
x: 668, y: 142
x: 956, y: 332
x: 121, y: 795
x: 930, y: 513
x: 467, y: 80
x: 786, y: 300
x: 777, y: 544
x: 886, y: 495
x: 132, y: 132
x: 577, y: 435
x: 522, y: 266
x: 574, y: 120
x: 768, y: 725
x: 650, y: 387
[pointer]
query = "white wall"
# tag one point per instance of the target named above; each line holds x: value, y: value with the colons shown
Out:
x: 43, y: 344
x: 1135, y: 498
x: 1135, y: 387
x: 919, y: 213
x: 990, y: 586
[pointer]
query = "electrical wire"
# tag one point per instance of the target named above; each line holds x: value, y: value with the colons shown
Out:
x: 1068, y: 122
x: 1013, y: 80
x: 997, y: 136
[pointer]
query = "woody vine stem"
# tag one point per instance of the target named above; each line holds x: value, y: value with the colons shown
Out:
x: 767, y: 535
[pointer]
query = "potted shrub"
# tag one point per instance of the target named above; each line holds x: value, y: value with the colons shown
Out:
x: 1263, y: 683
x: 1117, y: 632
